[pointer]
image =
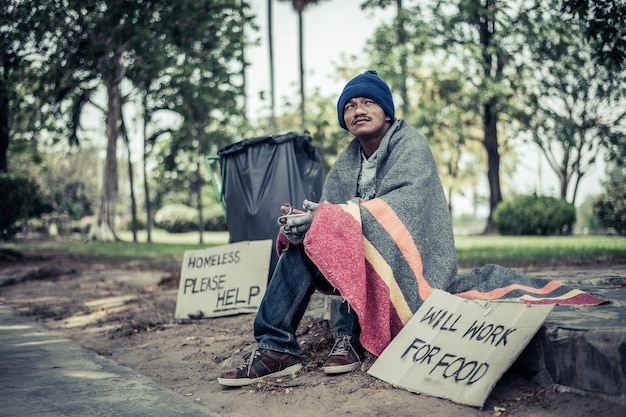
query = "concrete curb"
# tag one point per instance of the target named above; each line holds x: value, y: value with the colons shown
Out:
x: 583, y: 349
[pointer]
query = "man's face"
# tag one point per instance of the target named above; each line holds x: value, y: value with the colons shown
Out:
x: 364, y: 117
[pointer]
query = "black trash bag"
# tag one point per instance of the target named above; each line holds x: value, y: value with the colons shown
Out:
x: 260, y: 175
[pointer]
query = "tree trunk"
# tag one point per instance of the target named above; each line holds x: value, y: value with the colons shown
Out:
x: 4, y: 121
x: 244, y: 109
x: 146, y: 191
x: 301, y: 51
x: 579, y: 177
x: 486, y: 29
x: 133, y: 201
x: 270, y: 42
x: 198, y: 188
x: 564, y: 185
x: 403, y: 60
x: 104, y: 227
x: 146, y: 186
x: 490, y: 141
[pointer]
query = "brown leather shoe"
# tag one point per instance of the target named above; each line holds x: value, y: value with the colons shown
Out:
x: 346, y: 356
x: 261, y: 364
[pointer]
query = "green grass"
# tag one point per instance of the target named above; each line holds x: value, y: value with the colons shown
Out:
x: 531, y: 251
x: 166, y: 251
x: 472, y: 251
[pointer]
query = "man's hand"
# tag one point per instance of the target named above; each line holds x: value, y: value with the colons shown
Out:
x: 310, y: 206
x: 295, y: 223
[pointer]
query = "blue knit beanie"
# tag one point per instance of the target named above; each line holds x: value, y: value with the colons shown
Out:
x: 368, y: 85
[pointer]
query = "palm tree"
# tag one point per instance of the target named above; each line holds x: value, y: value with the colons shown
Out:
x: 299, y: 6
x: 401, y: 46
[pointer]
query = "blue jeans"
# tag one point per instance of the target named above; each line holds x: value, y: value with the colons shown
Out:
x: 286, y: 299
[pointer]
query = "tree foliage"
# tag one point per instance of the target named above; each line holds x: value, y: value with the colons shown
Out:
x: 191, y: 46
x: 572, y: 106
x: 455, y: 67
x: 610, y: 207
x: 28, y: 32
x: 471, y: 44
x: 20, y: 200
x: 193, y: 79
x: 499, y: 68
x: 603, y: 24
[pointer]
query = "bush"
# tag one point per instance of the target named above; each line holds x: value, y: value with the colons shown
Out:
x: 176, y: 218
x: 611, y: 207
x: 214, y: 219
x: 20, y: 201
x: 587, y: 222
x: 127, y: 224
x: 534, y: 215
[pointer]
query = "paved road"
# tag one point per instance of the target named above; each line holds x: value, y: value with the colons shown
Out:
x: 45, y: 374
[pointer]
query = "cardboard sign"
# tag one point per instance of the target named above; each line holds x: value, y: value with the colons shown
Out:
x: 223, y: 280
x: 457, y: 348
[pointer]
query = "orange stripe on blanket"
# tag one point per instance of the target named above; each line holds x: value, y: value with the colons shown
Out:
x: 390, y: 221
x: 501, y: 292
x: 384, y: 271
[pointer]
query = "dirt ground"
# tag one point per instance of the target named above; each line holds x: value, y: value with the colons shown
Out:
x: 127, y: 314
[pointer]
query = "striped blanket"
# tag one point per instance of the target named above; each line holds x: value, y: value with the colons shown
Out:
x: 367, y: 252
x: 387, y: 254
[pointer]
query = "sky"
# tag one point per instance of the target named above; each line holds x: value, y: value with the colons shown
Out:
x: 336, y: 27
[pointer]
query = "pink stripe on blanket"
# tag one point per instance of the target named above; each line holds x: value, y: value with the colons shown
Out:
x: 573, y: 298
x: 335, y: 244
x: 383, y: 322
